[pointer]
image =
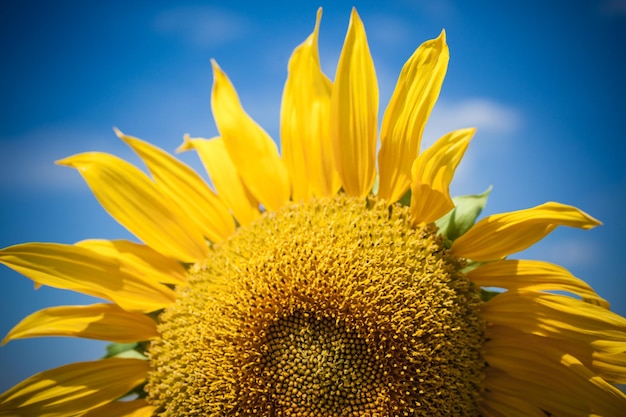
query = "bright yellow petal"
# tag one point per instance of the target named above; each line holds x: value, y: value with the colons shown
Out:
x: 251, y: 149
x: 533, y: 275
x: 185, y: 188
x: 406, y: 115
x: 432, y: 173
x: 97, y: 321
x: 134, y: 408
x: 86, y: 271
x: 305, y: 123
x: 225, y: 178
x: 500, y: 235
x: 139, y: 260
x: 74, y: 388
x: 354, y: 112
x: 133, y: 200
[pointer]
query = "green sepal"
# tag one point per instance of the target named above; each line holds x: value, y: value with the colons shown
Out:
x: 405, y: 200
x: 463, y: 216
x: 125, y: 350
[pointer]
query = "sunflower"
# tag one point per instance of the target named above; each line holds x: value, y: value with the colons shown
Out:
x: 315, y: 284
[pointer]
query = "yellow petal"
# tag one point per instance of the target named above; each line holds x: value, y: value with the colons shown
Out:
x: 406, y: 115
x: 531, y: 360
x: 533, y: 275
x: 251, y: 149
x: 225, y: 178
x: 498, y: 404
x: 133, y: 200
x: 432, y: 173
x: 86, y: 271
x: 185, y: 188
x: 74, y: 388
x: 139, y: 260
x: 97, y: 321
x: 558, y: 317
x: 305, y: 123
x: 134, y: 408
x: 354, y: 112
x: 500, y: 235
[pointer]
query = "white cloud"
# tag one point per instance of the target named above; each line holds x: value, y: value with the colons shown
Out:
x: 202, y: 26
x: 487, y: 115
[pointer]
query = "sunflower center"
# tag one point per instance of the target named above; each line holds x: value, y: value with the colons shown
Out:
x: 316, y: 367
x: 336, y: 307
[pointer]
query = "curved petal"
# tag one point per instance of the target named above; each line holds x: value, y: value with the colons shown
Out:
x: 74, y: 388
x: 225, y: 177
x: 500, y: 235
x: 185, y: 188
x: 432, y: 173
x: 354, y: 112
x: 533, y: 361
x: 406, y: 115
x: 133, y: 200
x: 97, y: 321
x: 249, y: 146
x: 533, y: 275
x: 305, y: 123
x: 139, y: 260
x: 86, y: 271
x: 134, y: 408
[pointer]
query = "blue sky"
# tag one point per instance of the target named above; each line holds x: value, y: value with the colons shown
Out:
x: 542, y: 81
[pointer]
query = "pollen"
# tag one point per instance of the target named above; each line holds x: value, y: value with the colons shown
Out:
x: 334, y: 307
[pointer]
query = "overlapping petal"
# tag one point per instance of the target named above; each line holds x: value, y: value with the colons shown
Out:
x: 406, y: 115
x: 500, y: 235
x: 139, y: 260
x: 225, y: 178
x: 533, y: 275
x: 133, y: 200
x: 550, y: 376
x: 89, y: 272
x: 186, y: 189
x: 305, y: 123
x: 354, y: 112
x: 432, y: 173
x: 251, y: 149
x: 96, y: 321
x: 73, y: 389
x: 134, y: 408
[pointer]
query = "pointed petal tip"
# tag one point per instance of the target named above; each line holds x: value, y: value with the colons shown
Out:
x: 186, y: 145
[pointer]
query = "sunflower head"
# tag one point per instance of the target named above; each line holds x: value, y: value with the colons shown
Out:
x: 330, y: 280
x: 336, y: 306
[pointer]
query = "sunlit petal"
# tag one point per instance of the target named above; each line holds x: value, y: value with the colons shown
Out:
x: 86, y: 271
x: 139, y: 260
x: 251, y: 149
x: 500, y: 235
x: 413, y: 99
x: 97, y: 321
x: 132, y: 199
x: 305, y: 123
x: 354, y: 112
x: 432, y: 173
x: 225, y: 178
x: 186, y: 189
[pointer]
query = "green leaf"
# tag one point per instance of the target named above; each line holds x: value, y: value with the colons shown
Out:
x: 487, y: 295
x: 463, y: 216
x: 405, y: 200
x: 124, y: 350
